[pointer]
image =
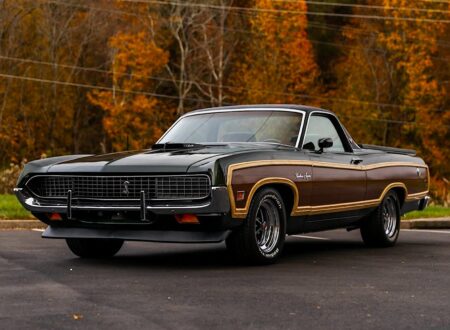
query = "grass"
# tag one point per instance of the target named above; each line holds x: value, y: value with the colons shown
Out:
x: 430, y: 212
x: 10, y: 208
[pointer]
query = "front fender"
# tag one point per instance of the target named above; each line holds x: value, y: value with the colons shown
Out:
x: 42, y: 165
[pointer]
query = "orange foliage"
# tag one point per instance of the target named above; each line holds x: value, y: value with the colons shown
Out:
x: 132, y: 114
x: 279, y: 60
x: 76, y: 79
x: 422, y: 94
x: 391, y: 67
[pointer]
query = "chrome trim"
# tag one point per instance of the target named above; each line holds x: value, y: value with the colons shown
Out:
x: 69, y: 204
x: 218, y: 203
x: 423, y: 203
x: 328, y: 114
x: 35, y: 203
x: 303, y: 112
x: 17, y: 189
x: 143, y: 207
x: 117, y: 175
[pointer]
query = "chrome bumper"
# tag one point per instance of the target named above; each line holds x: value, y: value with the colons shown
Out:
x: 218, y: 203
x: 423, y: 203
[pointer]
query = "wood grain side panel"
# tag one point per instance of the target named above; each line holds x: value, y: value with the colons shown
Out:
x: 378, y: 179
x: 243, y: 180
x: 337, y: 185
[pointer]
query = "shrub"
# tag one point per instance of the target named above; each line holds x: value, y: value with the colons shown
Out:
x: 8, y: 177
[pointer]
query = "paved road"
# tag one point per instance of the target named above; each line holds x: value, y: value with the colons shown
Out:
x: 330, y: 281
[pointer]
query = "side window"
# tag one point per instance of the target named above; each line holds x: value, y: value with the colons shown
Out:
x: 321, y: 127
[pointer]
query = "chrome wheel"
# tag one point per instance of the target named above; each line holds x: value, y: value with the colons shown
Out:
x: 389, y: 215
x: 382, y: 227
x: 267, y: 226
x: 260, y: 239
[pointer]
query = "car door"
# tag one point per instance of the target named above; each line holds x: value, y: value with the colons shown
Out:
x: 338, y: 180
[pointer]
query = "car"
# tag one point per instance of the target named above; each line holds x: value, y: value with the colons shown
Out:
x: 246, y: 175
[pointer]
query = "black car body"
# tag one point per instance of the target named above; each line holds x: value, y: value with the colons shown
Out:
x: 206, y: 190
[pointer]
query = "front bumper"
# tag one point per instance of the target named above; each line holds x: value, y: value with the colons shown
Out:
x: 415, y: 205
x: 423, y: 203
x: 167, y: 236
x: 218, y: 203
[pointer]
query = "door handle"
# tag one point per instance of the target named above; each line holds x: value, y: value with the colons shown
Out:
x: 356, y: 160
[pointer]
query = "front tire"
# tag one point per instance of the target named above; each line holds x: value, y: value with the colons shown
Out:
x: 94, y: 248
x: 382, y: 227
x: 261, y: 238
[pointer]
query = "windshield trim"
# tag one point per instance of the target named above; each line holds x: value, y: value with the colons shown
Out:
x: 242, y: 110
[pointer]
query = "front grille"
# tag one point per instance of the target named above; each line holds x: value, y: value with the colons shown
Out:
x: 174, y: 187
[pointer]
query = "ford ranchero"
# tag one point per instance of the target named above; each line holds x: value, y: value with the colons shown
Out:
x: 246, y: 175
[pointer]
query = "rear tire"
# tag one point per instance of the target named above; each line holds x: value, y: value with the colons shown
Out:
x: 261, y: 238
x: 382, y: 227
x: 94, y: 248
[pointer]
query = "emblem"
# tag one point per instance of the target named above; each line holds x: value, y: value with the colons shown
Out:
x: 125, y: 190
x: 303, y: 176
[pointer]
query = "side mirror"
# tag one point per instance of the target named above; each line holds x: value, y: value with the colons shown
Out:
x: 309, y: 146
x: 325, y: 143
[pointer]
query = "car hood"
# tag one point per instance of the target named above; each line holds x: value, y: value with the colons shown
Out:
x: 148, y: 161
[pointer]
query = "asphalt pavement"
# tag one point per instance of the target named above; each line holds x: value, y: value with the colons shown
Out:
x: 325, y: 280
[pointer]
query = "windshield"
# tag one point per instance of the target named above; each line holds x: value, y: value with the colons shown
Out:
x: 237, y: 126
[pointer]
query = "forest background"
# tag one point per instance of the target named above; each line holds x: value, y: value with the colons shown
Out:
x: 95, y: 76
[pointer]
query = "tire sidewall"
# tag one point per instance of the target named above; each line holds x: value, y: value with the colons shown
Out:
x: 261, y: 197
x: 393, y: 239
x: 94, y: 248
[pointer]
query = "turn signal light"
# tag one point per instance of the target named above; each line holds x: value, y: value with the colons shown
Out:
x: 55, y: 216
x: 187, y: 218
x: 240, y: 196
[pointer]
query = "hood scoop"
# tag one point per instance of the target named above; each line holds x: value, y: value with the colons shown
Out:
x: 178, y: 146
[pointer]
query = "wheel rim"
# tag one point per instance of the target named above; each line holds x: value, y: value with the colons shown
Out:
x: 267, y: 226
x: 390, y: 217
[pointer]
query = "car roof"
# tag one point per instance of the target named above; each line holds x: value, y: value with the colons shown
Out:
x: 305, y: 108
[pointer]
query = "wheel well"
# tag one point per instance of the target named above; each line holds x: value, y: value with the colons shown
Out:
x: 401, y: 193
x: 286, y: 193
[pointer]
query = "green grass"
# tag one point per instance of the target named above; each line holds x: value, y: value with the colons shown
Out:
x: 430, y: 212
x: 10, y: 208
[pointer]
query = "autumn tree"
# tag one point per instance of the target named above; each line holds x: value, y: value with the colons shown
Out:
x: 41, y: 47
x: 365, y: 83
x: 389, y: 79
x: 201, y: 48
x: 215, y: 47
x: 279, y: 62
x: 133, y: 114
x: 414, y: 47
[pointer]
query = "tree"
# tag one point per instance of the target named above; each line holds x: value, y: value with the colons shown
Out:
x: 279, y: 62
x: 414, y: 47
x: 201, y: 50
x: 43, y: 49
x: 391, y: 72
x: 133, y: 116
